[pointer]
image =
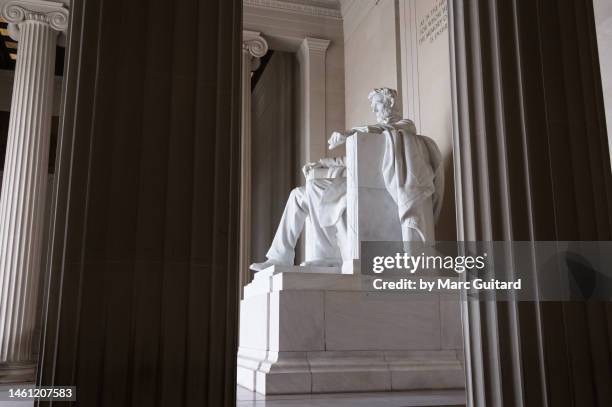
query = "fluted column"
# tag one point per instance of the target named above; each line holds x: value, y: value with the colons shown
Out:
x: 254, y: 46
x: 36, y: 25
x: 531, y: 164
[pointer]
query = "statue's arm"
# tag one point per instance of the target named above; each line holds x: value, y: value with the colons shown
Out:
x: 339, y: 137
x: 325, y: 162
x: 331, y: 162
x: 373, y: 129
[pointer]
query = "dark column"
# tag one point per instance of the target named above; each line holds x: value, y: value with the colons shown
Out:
x: 141, y: 306
x: 532, y: 163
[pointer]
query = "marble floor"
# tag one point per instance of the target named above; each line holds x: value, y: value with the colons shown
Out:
x: 246, y: 398
x: 445, y: 398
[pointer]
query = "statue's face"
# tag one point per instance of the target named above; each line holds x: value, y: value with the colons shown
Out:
x: 379, y: 108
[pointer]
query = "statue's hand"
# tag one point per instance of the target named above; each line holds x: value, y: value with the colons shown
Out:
x: 336, y: 139
x: 309, y: 167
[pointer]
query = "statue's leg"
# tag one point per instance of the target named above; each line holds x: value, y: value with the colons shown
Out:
x: 342, y: 238
x: 322, y: 244
x: 282, y: 250
x: 413, y: 239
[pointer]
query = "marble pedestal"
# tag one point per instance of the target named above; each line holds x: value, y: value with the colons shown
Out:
x: 314, y: 330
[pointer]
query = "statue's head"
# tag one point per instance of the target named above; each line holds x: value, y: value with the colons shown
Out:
x: 383, y: 105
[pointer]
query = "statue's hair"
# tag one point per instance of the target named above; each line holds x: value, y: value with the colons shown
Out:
x: 389, y: 95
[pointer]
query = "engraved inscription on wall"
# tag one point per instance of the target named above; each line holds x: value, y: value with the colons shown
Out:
x: 434, y: 23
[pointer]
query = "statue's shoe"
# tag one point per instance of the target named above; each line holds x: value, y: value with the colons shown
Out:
x: 265, y: 265
x: 323, y: 263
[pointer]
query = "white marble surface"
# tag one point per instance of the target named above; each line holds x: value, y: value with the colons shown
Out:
x: 428, y: 378
x: 254, y: 322
x: 450, y: 323
x: 322, y: 332
x: 314, y: 281
x: 381, y: 321
x: 371, y: 211
x: 275, y: 278
x: 283, y: 370
x: 297, y: 320
x: 426, y: 83
x: 370, y: 55
x: 364, y: 159
x: 352, y: 381
x: 439, y: 398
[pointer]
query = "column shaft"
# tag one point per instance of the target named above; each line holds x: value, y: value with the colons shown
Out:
x: 254, y: 46
x: 311, y: 57
x: 245, y: 171
x: 531, y: 164
x: 22, y: 200
x: 312, y: 119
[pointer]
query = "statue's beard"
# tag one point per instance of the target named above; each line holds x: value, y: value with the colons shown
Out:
x: 385, y: 116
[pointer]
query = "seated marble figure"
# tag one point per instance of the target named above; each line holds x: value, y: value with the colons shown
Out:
x: 413, y: 175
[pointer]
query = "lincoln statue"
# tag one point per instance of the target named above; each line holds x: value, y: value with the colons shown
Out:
x: 412, y: 173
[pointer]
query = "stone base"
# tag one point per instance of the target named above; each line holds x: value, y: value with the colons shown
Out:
x: 17, y: 372
x: 314, y: 330
x: 352, y: 371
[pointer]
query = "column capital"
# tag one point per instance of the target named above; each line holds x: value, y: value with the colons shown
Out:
x: 254, y: 43
x: 314, y: 45
x: 254, y: 46
x: 18, y: 11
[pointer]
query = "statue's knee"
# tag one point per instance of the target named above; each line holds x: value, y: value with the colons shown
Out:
x: 296, y: 193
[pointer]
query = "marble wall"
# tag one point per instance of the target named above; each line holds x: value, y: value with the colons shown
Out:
x: 426, y: 90
x: 370, y: 54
